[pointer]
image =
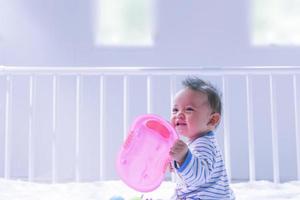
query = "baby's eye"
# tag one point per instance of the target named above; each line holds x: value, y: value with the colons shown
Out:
x: 174, y: 110
x: 189, y: 109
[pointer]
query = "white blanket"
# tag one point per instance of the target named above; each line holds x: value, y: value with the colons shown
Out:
x: 20, y: 190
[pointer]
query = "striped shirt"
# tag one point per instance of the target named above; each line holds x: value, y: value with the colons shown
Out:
x: 203, y: 175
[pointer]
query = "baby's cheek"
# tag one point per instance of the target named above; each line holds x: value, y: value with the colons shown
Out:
x: 172, y: 120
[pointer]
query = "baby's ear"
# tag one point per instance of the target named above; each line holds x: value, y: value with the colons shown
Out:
x: 214, y: 120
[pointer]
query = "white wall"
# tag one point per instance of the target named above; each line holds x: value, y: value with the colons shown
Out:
x: 192, y: 33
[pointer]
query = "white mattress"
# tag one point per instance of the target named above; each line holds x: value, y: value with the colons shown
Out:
x: 19, y: 190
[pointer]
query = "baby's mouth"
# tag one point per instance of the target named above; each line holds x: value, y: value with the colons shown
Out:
x: 178, y: 124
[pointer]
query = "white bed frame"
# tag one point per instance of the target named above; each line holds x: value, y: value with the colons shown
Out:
x: 67, y: 123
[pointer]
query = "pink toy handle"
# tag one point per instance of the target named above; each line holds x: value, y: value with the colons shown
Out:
x: 158, y: 127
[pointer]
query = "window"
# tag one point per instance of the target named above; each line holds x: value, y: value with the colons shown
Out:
x: 276, y: 22
x: 125, y: 22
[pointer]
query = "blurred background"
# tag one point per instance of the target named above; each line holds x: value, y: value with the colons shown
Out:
x: 149, y: 33
x: 75, y: 74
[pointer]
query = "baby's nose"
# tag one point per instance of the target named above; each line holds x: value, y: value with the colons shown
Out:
x: 180, y: 115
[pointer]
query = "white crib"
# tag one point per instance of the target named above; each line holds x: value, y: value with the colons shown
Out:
x: 67, y: 123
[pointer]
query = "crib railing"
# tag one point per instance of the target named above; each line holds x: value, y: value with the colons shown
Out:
x: 67, y: 123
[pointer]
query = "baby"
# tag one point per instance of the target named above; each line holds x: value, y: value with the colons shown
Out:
x: 199, y: 165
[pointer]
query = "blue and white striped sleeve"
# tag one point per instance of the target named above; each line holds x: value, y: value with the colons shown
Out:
x: 197, y: 168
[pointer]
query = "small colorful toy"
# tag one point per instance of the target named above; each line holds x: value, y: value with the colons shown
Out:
x: 116, y: 198
x: 121, y: 198
x: 144, y: 156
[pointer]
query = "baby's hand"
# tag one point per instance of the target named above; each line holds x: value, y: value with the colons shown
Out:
x: 170, y: 167
x: 179, y: 151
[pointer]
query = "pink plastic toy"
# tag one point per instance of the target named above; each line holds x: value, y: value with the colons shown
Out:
x: 144, y: 156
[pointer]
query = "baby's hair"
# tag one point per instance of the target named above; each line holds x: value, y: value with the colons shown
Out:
x: 197, y: 84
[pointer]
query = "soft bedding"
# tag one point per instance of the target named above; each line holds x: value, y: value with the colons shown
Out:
x: 21, y: 190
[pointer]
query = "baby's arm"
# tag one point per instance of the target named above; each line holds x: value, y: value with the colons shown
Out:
x: 196, y: 167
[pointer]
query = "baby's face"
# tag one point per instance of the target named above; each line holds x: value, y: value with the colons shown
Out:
x: 191, y: 113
